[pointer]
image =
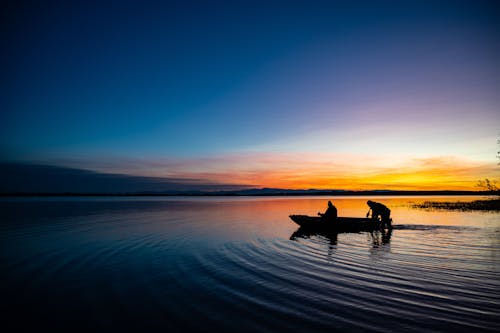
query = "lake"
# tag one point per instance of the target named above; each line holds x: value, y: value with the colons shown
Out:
x: 233, y: 264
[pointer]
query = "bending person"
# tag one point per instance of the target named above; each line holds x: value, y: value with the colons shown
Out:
x: 381, y: 210
x: 331, y: 213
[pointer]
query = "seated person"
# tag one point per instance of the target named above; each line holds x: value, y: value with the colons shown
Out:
x: 331, y: 213
x: 381, y: 210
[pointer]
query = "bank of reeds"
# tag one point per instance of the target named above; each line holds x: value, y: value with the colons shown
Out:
x: 482, y: 205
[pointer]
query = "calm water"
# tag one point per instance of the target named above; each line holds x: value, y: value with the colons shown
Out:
x: 228, y: 264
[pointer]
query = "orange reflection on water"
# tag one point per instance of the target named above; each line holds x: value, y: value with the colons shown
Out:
x: 250, y: 218
x: 247, y: 217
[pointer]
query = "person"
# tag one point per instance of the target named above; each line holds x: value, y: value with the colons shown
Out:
x: 381, y: 210
x: 331, y: 213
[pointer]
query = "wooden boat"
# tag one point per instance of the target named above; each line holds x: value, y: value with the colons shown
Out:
x: 341, y: 224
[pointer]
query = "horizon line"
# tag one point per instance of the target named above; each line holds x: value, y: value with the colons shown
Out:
x: 254, y: 192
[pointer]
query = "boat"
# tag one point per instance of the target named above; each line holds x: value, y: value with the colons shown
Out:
x: 341, y: 224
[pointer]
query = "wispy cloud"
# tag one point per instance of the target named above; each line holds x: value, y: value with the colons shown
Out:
x: 310, y: 170
x: 32, y: 178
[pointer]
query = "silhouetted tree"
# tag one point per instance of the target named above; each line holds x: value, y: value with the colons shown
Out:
x: 498, y: 152
x: 488, y: 185
x: 491, y: 185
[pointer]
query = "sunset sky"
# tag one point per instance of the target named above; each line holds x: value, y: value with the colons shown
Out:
x: 293, y: 94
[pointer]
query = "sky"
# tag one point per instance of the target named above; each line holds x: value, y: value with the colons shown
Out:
x: 299, y: 94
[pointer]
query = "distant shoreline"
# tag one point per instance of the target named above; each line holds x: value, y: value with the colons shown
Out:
x: 256, y: 193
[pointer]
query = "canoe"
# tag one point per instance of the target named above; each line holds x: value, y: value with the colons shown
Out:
x: 341, y: 224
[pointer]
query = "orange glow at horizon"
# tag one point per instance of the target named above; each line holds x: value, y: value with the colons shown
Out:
x: 290, y: 180
x: 308, y: 171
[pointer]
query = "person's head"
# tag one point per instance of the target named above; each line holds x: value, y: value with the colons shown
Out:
x: 330, y: 204
x: 369, y: 203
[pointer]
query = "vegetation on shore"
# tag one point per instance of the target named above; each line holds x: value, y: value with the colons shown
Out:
x: 481, y: 205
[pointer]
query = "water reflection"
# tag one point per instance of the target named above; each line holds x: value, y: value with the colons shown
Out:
x: 379, y: 238
x: 307, y: 233
x: 155, y: 264
x: 380, y: 244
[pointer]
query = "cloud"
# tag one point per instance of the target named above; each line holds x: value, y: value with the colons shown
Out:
x: 315, y: 170
x: 32, y: 178
x: 293, y: 171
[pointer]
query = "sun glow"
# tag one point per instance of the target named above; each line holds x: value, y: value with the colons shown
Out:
x: 324, y: 171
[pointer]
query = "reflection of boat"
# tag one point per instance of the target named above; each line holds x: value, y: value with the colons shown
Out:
x: 379, y: 236
x: 303, y: 232
x: 341, y: 224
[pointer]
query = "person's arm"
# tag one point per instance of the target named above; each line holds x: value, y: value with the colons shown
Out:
x: 323, y: 214
x: 368, y: 214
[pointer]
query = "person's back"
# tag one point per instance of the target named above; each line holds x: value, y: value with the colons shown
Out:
x: 331, y: 213
x: 381, y: 210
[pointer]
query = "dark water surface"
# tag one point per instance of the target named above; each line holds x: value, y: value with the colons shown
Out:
x: 228, y: 264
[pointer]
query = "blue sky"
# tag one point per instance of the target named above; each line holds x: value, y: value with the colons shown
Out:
x: 138, y: 87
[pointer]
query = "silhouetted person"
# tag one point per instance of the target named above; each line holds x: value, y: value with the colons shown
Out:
x: 331, y: 213
x: 377, y: 210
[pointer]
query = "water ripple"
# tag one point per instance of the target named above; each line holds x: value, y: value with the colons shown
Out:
x: 152, y: 271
